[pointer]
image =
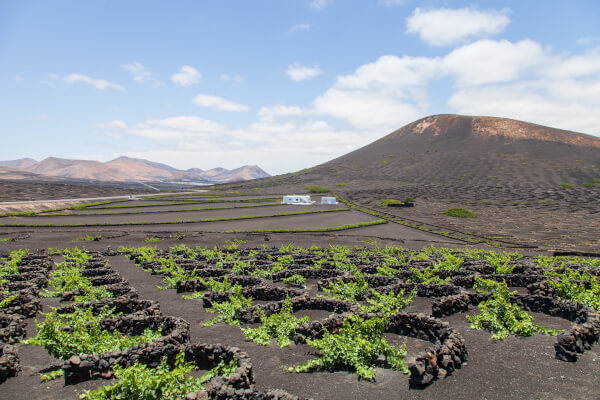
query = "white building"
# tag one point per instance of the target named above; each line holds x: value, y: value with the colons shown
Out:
x: 328, y: 200
x: 303, y: 200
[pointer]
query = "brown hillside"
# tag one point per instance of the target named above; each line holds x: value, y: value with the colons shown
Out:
x: 528, y: 182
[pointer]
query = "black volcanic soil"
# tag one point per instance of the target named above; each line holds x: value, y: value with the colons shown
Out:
x: 523, y: 368
x: 24, y: 191
x: 528, y: 183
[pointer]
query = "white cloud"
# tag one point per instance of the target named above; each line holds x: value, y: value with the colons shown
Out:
x: 300, y: 27
x: 112, y: 124
x: 297, y: 72
x: 319, y: 4
x: 139, y: 72
x: 522, y: 80
x: 391, y: 3
x: 219, y: 103
x: 231, y: 78
x: 536, y: 102
x: 561, y: 91
x: 282, y: 111
x: 575, y: 66
x: 187, y: 141
x: 443, y: 26
x: 177, y: 128
x: 381, y: 95
x: 186, y: 76
x: 53, y: 77
x: 100, y: 84
x: 588, y: 40
x: 489, y: 61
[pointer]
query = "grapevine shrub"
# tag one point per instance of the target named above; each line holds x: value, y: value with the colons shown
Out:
x: 502, y: 317
x: 356, y: 347
x: 139, y: 382
x: 84, y: 336
x: 280, y: 326
x: 229, y: 310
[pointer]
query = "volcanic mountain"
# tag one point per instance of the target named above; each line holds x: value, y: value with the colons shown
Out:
x: 125, y: 169
x: 464, y: 150
x: 528, y: 183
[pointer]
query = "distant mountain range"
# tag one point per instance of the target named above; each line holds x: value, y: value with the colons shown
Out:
x: 126, y: 169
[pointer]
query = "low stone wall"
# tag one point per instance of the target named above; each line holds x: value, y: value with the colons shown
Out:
x: 118, y: 289
x: 123, y: 304
x: 9, y: 361
x: 12, y: 328
x: 197, y: 285
x: 513, y: 280
x: 308, y: 274
x: 175, y: 332
x: 574, y: 341
x: 582, y: 335
x: 423, y: 290
x: 104, y: 280
x: 93, y: 272
x: 228, y: 393
x: 447, y: 354
x: 251, y: 314
x: 25, y: 304
x: 264, y: 293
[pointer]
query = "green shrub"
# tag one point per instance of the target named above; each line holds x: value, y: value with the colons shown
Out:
x: 140, y: 382
x: 86, y: 336
x: 341, y: 184
x: 460, y: 213
x: 350, y: 291
x: 229, y: 310
x: 409, y: 200
x: 500, y: 316
x: 357, y: 347
x: 316, y: 189
x: 565, y: 185
x: 295, y: 280
x: 390, y: 203
x: 579, y: 286
x: 588, y: 185
x: 388, y: 303
x: 280, y: 326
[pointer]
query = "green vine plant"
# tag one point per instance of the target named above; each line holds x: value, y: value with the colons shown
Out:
x: 428, y: 276
x: 280, y: 326
x: 502, y: 317
x: 388, y: 303
x: 229, y: 310
x: 67, y: 278
x: 282, y: 264
x: 350, y: 291
x: 211, y: 285
x: 578, y: 286
x: 6, y: 302
x: 449, y: 263
x: 85, y: 336
x: 501, y: 262
x: 356, y: 347
x: 11, y: 265
x: 140, y: 382
x: 295, y: 280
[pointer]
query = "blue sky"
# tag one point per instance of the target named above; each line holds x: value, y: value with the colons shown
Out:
x: 281, y: 84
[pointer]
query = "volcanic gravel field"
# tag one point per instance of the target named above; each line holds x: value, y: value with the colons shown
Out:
x: 477, y: 367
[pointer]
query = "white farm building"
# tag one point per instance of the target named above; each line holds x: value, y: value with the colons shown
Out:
x: 328, y: 200
x: 303, y: 200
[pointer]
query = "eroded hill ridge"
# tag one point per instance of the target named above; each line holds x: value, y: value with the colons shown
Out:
x: 445, y: 124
